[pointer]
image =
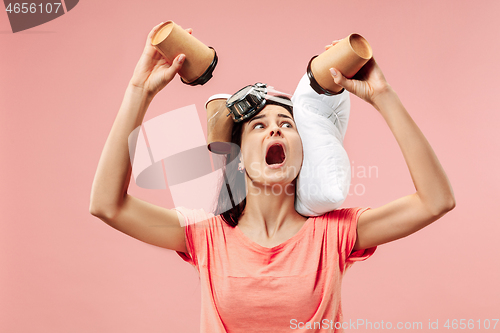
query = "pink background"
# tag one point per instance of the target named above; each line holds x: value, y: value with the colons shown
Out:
x: 61, y: 84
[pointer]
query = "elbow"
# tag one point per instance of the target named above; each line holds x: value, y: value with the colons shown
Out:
x: 101, y: 212
x: 451, y: 204
x: 95, y: 210
x: 102, y: 206
x: 448, y: 206
x: 444, y: 206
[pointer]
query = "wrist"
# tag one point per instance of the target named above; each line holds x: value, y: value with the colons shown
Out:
x: 140, y: 91
x: 383, y: 97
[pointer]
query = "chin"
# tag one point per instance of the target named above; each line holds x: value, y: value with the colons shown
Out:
x: 280, y: 176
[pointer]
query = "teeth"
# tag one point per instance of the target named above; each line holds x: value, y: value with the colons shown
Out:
x: 275, y: 155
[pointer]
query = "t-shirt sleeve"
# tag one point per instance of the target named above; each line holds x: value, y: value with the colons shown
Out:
x: 347, y: 226
x: 195, y: 223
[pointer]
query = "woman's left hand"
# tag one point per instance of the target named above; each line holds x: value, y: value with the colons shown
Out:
x: 434, y: 196
x: 369, y: 83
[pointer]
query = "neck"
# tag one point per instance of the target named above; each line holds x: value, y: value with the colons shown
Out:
x: 269, y: 208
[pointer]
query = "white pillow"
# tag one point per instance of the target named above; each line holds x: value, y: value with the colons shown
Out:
x: 325, y: 177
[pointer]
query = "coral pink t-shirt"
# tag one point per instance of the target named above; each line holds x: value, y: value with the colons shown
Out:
x: 291, y: 287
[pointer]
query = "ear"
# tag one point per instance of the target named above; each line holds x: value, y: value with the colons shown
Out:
x: 241, y: 165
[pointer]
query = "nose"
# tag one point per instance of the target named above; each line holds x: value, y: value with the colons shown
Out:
x: 275, y: 131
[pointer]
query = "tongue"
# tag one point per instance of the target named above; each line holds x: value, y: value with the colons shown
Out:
x: 275, y: 155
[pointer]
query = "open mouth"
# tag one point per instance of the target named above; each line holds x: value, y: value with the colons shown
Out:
x: 275, y: 154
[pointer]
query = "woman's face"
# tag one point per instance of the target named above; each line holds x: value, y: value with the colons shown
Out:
x: 271, y: 148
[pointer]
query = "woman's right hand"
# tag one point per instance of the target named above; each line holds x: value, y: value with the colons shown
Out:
x: 152, y: 73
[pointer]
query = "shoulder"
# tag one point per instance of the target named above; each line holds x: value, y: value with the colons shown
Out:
x: 343, y: 222
x: 192, y: 217
x: 343, y: 214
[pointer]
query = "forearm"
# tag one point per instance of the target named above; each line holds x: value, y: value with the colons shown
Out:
x: 431, y: 183
x: 114, y: 169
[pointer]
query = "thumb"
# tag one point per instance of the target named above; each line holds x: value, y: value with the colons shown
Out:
x: 177, y: 63
x: 175, y: 67
x: 341, y: 80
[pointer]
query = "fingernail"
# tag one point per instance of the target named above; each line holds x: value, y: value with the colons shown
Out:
x: 334, y: 73
x: 181, y: 58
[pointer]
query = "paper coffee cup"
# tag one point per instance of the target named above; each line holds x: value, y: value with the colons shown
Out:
x: 348, y: 56
x: 219, y: 126
x: 171, y: 40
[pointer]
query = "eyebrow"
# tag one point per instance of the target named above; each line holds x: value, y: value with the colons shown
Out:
x: 281, y: 115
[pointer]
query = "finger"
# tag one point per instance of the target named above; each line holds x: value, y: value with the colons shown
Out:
x: 175, y: 67
x: 327, y: 47
x: 341, y: 80
x: 163, y: 62
x: 157, y: 56
x: 153, y: 31
x: 148, y: 48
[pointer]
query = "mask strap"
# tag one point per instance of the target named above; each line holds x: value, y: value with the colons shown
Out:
x: 279, y: 100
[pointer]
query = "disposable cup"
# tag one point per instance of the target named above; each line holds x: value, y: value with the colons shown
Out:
x: 348, y: 56
x: 219, y: 126
x: 171, y: 40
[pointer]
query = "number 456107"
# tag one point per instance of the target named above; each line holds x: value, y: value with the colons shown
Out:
x: 32, y: 8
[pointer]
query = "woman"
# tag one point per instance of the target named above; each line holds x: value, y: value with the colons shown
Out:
x: 276, y: 270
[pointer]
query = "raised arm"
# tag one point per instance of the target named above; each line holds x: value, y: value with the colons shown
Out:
x: 109, y: 200
x: 433, y: 197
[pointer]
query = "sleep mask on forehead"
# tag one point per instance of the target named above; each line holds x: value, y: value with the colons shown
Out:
x: 241, y: 106
x: 250, y: 100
